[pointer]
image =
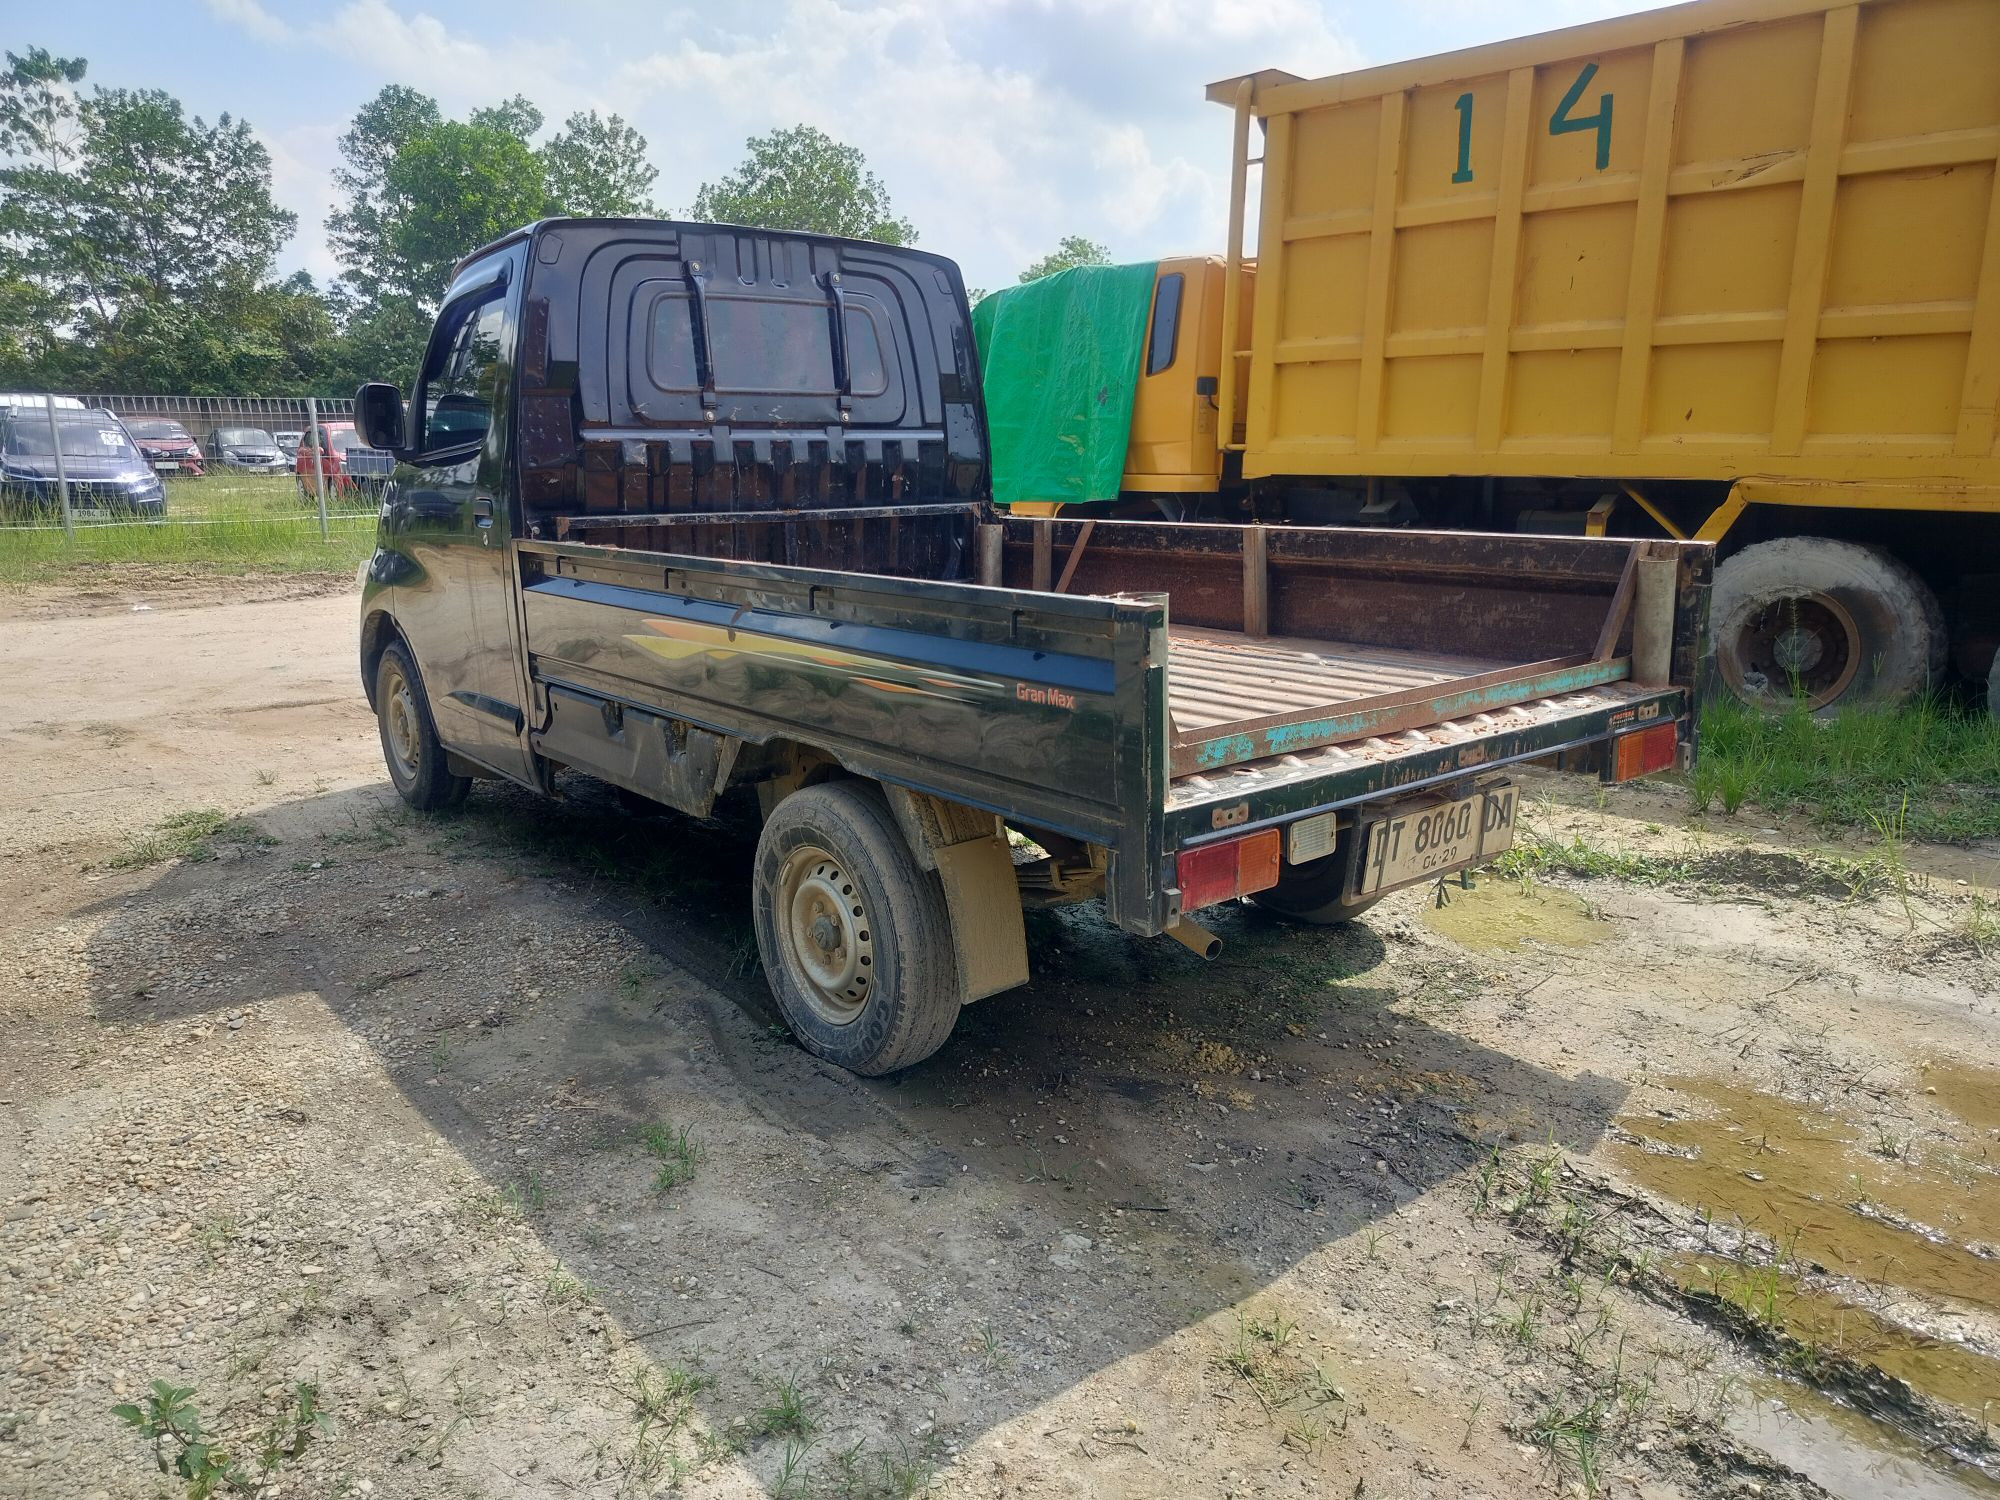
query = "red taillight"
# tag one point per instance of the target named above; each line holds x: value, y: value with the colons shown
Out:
x: 1221, y: 872
x: 1641, y: 754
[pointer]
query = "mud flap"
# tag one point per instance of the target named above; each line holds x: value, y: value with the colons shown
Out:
x: 969, y: 852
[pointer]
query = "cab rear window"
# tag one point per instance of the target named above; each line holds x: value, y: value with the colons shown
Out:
x: 765, y: 345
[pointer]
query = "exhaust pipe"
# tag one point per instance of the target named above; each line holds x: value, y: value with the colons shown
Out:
x: 1196, y: 938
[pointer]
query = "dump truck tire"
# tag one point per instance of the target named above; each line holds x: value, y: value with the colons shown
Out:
x: 1834, y: 625
x: 854, y: 933
x: 1314, y: 892
x: 410, y: 747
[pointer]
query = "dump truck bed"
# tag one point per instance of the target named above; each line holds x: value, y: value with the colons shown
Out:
x: 1709, y: 241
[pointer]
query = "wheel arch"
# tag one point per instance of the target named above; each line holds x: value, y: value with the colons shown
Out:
x: 378, y: 629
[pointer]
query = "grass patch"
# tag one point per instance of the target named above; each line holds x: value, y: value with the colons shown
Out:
x: 1874, y: 872
x: 676, y: 1151
x: 196, y: 835
x: 1931, y: 770
x: 784, y: 1412
x: 220, y: 523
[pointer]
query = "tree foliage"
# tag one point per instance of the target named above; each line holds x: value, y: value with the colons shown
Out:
x: 382, y: 128
x: 597, y: 165
x: 136, y: 241
x: 804, y: 179
x: 1071, y: 251
x: 422, y: 190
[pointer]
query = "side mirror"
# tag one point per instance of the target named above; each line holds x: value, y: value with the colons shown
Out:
x: 378, y: 414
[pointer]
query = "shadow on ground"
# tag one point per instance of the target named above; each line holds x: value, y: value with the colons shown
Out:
x: 1219, y: 1122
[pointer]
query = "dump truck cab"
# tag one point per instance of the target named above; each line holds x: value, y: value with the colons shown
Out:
x: 1175, y: 450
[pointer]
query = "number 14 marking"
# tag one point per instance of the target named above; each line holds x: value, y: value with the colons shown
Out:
x: 1562, y: 122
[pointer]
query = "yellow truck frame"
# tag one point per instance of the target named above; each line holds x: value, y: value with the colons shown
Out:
x: 1727, y: 270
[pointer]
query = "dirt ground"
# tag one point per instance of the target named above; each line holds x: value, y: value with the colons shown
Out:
x: 1679, y: 1178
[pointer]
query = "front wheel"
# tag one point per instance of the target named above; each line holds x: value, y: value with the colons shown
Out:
x: 410, y: 745
x: 855, y: 936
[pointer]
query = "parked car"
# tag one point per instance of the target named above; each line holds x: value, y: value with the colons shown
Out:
x: 29, y: 398
x: 251, y: 449
x: 166, y: 445
x: 348, y: 463
x: 288, y: 443
x: 107, y: 473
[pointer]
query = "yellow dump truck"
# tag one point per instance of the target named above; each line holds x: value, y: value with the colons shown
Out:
x: 1727, y: 270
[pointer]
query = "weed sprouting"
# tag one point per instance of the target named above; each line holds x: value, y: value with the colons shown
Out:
x: 169, y: 1419
x: 784, y: 1412
x: 1293, y: 1390
x: 676, y: 1150
x: 565, y: 1290
x: 1573, y: 1438
x: 197, y: 835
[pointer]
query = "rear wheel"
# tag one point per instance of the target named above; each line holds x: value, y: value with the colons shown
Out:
x: 1315, y: 891
x: 410, y: 745
x: 1826, y: 624
x: 855, y: 936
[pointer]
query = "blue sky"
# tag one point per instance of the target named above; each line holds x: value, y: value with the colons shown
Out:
x: 998, y: 125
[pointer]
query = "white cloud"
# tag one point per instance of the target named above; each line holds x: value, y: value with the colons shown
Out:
x: 998, y: 125
x: 251, y: 17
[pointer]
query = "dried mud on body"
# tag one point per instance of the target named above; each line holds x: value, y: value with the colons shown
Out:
x: 1672, y: 1179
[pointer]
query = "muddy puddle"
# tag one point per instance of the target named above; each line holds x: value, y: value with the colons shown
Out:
x: 1972, y: 1094
x: 1847, y: 1454
x: 1507, y: 916
x: 1861, y: 1217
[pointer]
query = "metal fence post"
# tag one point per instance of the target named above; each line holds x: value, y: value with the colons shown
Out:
x: 319, y: 461
x: 62, y: 471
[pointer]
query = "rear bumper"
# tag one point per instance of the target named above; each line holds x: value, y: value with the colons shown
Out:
x: 1202, y: 809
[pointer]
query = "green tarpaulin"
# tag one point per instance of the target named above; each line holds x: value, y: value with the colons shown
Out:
x: 1061, y: 359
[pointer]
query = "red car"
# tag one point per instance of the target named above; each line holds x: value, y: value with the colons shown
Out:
x: 348, y: 463
x: 166, y: 446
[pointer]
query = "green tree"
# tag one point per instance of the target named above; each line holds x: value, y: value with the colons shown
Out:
x: 450, y: 190
x: 803, y: 179
x: 1071, y: 251
x: 355, y: 233
x: 40, y: 209
x: 516, y: 116
x: 596, y: 165
x: 136, y: 241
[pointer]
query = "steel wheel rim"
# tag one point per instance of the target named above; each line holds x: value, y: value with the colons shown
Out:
x: 828, y: 934
x: 1803, y: 645
x: 400, y: 725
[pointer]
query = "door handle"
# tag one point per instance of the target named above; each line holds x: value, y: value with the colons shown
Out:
x: 482, y: 511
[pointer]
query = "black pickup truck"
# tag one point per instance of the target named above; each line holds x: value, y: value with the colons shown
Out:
x: 685, y: 507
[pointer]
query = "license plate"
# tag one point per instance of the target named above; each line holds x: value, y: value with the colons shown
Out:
x: 1436, y: 838
x: 166, y: 468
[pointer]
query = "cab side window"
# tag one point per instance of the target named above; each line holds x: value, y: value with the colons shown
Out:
x: 464, y: 377
x: 1166, y: 333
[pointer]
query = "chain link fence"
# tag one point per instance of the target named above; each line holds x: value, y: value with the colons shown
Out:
x: 108, y: 460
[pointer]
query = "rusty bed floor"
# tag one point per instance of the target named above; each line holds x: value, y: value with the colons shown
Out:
x: 1221, y: 677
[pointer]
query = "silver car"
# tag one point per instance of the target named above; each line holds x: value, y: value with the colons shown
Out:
x: 248, y: 448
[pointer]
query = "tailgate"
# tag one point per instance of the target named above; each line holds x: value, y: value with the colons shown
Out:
x: 1226, y: 803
